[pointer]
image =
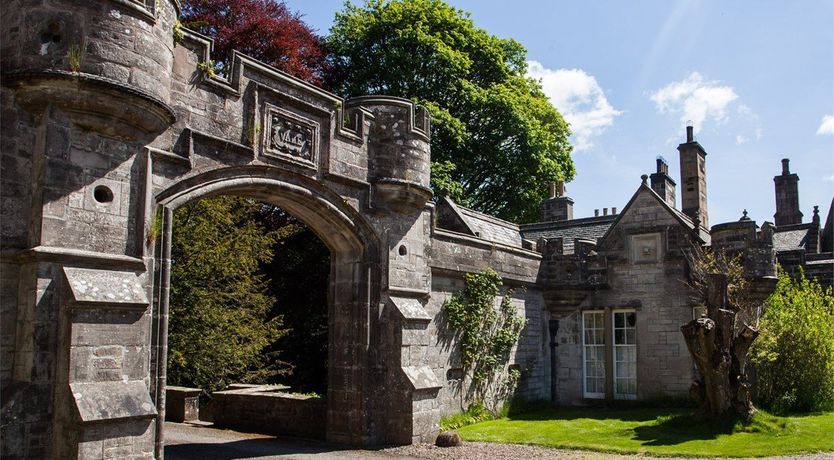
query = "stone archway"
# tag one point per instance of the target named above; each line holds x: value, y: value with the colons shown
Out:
x: 352, y: 293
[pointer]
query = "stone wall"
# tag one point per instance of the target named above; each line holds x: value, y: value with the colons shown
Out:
x: 262, y: 410
x: 454, y: 255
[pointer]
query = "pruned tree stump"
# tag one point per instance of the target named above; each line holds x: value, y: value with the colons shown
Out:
x: 448, y: 439
x: 721, y: 355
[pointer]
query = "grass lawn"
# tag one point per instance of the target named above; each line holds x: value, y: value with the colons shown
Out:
x: 661, y: 432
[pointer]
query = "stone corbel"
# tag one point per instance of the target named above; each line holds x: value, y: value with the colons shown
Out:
x: 92, y: 288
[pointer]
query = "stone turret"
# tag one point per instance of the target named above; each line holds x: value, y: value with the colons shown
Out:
x: 787, y: 196
x: 400, y: 165
x: 693, y: 179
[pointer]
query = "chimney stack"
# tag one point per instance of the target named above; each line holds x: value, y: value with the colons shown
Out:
x: 558, y: 207
x: 787, y: 197
x: 662, y: 184
x: 694, y: 179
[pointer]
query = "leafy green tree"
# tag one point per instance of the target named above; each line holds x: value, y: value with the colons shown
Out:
x: 794, y: 355
x: 494, y: 132
x: 298, y: 278
x: 220, y: 322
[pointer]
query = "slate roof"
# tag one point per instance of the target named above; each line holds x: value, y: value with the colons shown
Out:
x: 483, y: 225
x: 590, y: 228
x: 791, y: 239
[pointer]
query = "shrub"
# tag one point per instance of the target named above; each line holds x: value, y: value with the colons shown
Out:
x: 794, y: 355
x: 485, y: 337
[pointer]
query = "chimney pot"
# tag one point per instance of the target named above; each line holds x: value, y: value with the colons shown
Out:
x: 690, y: 136
x: 604, y: 211
x: 552, y: 190
x: 786, y: 168
x: 596, y: 212
x: 613, y: 211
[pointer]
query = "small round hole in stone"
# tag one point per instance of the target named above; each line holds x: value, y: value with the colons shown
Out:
x: 102, y: 194
x: 403, y: 250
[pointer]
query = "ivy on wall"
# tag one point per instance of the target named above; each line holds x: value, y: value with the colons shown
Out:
x: 485, y: 336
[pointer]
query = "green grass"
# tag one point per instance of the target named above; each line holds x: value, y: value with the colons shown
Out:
x: 659, y: 432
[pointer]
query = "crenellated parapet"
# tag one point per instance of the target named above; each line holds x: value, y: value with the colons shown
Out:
x: 753, y: 245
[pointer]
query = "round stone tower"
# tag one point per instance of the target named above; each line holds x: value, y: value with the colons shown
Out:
x: 106, y: 64
x: 85, y: 87
x: 400, y: 163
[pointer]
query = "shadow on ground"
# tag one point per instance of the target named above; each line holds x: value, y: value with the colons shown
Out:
x: 189, y: 442
x: 247, y: 448
x: 655, y: 426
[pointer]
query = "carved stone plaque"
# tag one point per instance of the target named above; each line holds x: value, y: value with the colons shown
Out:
x: 291, y: 137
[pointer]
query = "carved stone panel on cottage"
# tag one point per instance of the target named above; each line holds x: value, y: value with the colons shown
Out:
x: 645, y: 248
x: 291, y: 137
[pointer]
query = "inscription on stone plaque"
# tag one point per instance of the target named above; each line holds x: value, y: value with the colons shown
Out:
x: 291, y: 137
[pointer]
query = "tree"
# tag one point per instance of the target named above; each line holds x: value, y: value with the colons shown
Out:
x: 298, y: 278
x: 794, y: 357
x: 720, y: 339
x: 493, y: 130
x: 264, y: 29
x: 220, y: 323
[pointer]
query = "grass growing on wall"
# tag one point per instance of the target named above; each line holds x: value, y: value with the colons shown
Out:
x: 659, y: 431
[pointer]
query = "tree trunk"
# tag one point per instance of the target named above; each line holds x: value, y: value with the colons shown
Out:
x: 721, y: 355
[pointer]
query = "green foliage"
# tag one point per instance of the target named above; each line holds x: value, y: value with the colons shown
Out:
x: 75, y: 56
x: 177, y: 33
x: 659, y: 432
x: 155, y: 229
x: 485, y: 336
x: 220, y: 322
x: 208, y: 68
x: 298, y: 278
x: 494, y: 133
x: 794, y: 355
x: 473, y: 414
x: 444, y: 184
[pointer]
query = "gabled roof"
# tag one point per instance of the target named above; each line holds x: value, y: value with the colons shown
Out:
x: 683, y: 219
x: 452, y: 216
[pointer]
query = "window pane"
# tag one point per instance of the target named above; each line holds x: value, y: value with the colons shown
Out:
x: 631, y: 319
x: 619, y: 336
x: 631, y: 336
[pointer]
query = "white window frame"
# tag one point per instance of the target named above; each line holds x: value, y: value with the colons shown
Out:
x: 585, y: 393
x: 615, y: 345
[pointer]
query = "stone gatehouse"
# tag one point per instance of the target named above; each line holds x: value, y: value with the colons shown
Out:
x: 108, y: 126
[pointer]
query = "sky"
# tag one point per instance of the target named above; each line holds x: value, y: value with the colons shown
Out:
x: 755, y: 79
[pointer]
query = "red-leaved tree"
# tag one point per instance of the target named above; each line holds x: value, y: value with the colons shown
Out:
x: 264, y: 29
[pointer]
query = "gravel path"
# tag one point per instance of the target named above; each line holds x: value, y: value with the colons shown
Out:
x: 490, y: 451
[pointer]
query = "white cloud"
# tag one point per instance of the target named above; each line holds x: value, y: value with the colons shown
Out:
x: 827, y: 125
x: 741, y: 139
x: 831, y: 178
x: 696, y: 100
x: 579, y: 98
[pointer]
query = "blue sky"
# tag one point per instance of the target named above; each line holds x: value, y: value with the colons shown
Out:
x: 756, y: 78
